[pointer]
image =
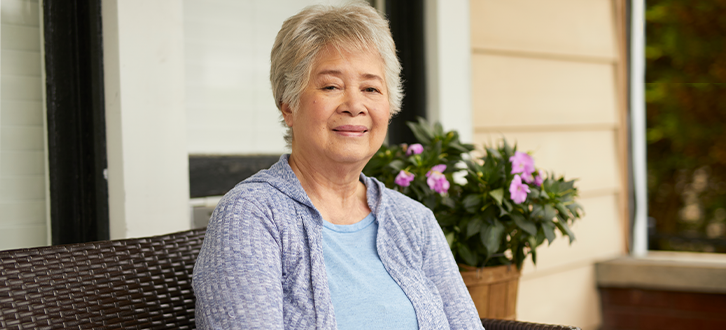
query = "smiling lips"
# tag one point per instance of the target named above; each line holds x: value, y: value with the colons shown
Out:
x: 351, y: 130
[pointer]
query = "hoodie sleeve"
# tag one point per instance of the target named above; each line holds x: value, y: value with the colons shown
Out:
x: 237, y: 276
x: 440, y: 267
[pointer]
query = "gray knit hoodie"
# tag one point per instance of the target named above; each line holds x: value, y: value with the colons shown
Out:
x: 261, y: 265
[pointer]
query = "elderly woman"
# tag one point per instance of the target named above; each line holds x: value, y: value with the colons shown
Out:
x: 311, y: 243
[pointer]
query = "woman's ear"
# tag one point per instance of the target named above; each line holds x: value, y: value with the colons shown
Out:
x: 287, y: 114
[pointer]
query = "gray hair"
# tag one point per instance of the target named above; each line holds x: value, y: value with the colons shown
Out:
x: 355, y: 26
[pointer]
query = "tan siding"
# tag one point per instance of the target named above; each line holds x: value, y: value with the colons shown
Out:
x: 21, y: 113
x: 16, y: 62
x: 597, y: 237
x: 21, y: 213
x: 571, y: 27
x: 22, y: 138
x: 517, y: 91
x: 22, y: 189
x: 22, y: 145
x: 25, y: 236
x: 567, y: 297
x: 589, y: 156
x: 19, y: 163
x: 22, y: 38
x: 548, y: 74
x: 21, y: 88
x: 21, y: 12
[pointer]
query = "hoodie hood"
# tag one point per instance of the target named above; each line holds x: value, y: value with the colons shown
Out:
x: 281, y: 177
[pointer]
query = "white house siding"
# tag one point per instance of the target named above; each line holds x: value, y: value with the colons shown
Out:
x: 22, y: 155
x: 546, y: 75
x: 229, y: 103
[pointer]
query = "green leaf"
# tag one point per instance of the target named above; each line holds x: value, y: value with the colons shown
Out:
x: 562, y: 210
x: 540, y: 237
x: 467, y: 255
x: 471, y: 203
x: 421, y: 134
x: 473, y: 227
x: 575, y: 208
x: 527, y: 225
x: 397, y: 165
x: 498, y: 195
x: 450, y: 238
x: 508, y: 152
x: 549, y: 231
x: 491, y: 236
x: 549, y: 212
x: 507, y: 205
x: 565, y: 229
x: 438, y: 129
x: 448, y: 201
x: 533, y: 192
x: 537, y: 212
x: 533, y: 248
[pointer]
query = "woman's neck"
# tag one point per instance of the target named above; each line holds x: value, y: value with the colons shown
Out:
x: 334, y: 190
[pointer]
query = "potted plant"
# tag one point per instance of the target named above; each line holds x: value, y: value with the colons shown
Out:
x: 494, y: 210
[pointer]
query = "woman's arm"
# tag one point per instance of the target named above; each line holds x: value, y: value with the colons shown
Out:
x: 440, y: 267
x: 237, y: 277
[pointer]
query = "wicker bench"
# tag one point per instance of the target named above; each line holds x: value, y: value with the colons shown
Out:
x: 143, y: 283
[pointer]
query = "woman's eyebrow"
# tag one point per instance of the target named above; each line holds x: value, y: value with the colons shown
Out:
x: 365, y: 76
x: 371, y: 76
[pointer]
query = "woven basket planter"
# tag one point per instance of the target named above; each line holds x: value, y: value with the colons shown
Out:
x: 494, y: 290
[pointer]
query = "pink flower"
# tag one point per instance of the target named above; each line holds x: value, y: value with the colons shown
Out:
x: 540, y: 178
x: 404, y: 178
x: 518, y: 190
x: 415, y: 149
x: 436, y: 179
x: 522, y: 163
x: 527, y: 177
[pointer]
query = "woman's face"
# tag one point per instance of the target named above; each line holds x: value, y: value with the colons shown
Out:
x: 344, y: 110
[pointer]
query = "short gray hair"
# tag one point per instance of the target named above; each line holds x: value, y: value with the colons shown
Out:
x: 356, y: 27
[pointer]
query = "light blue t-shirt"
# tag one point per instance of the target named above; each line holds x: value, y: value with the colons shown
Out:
x: 364, y: 294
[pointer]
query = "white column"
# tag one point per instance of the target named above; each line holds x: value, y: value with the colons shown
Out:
x: 637, y: 112
x: 448, y: 62
x: 148, y: 166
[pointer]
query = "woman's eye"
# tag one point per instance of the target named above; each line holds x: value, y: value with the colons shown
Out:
x: 371, y: 90
x: 329, y: 88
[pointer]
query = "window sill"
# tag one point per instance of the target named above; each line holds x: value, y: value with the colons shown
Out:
x: 660, y: 270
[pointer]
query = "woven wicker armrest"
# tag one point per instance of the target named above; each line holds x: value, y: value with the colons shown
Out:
x: 142, y: 283
x: 492, y: 324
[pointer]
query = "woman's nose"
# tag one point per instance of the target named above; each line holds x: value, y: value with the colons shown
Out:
x: 353, y: 104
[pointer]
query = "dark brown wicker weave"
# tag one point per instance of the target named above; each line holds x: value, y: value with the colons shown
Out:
x: 491, y: 324
x: 142, y: 283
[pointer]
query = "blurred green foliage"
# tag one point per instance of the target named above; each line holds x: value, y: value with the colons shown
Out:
x: 686, y: 123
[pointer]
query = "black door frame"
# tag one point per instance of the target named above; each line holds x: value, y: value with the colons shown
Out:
x: 76, y: 121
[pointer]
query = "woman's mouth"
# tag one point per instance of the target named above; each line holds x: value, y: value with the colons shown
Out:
x: 351, y: 130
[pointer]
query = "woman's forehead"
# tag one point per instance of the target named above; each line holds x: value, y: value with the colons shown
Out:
x: 330, y: 56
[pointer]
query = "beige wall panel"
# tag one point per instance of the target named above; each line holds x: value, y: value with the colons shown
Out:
x: 519, y: 91
x: 21, y: 113
x: 21, y: 163
x: 20, y: 63
x: 21, y: 88
x: 589, y: 156
x: 22, y: 189
x: 579, y: 27
x: 598, y: 237
x: 569, y: 297
x: 21, y: 138
x: 20, y: 12
x: 22, y: 236
x: 16, y: 37
x: 22, y: 213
